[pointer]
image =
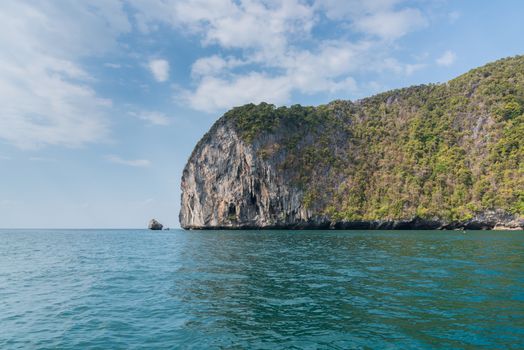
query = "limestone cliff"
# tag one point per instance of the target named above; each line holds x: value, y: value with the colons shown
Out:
x: 426, y: 157
x: 226, y: 184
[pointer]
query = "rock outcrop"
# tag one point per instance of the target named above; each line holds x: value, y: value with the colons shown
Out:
x: 418, y: 158
x: 227, y: 185
x: 155, y: 225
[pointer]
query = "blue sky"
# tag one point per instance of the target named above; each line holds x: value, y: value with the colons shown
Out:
x: 101, y: 102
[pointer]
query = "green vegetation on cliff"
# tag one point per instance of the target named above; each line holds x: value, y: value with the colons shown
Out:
x: 443, y: 151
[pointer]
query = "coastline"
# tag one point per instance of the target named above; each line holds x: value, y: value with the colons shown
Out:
x: 412, y: 224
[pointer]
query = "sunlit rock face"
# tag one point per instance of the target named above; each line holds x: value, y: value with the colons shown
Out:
x: 227, y: 185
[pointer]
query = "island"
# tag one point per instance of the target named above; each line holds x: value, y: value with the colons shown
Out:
x: 155, y: 225
x: 437, y: 156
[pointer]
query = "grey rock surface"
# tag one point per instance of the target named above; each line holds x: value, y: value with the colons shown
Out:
x: 154, y: 225
x: 226, y: 185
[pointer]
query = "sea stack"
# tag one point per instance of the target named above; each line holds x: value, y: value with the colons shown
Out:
x: 438, y: 156
x: 155, y: 225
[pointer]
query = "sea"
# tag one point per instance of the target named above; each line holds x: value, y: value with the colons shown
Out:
x: 139, y: 289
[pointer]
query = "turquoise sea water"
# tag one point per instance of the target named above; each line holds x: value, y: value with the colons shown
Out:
x: 134, y: 289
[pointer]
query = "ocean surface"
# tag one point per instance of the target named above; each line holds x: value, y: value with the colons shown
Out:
x: 137, y: 289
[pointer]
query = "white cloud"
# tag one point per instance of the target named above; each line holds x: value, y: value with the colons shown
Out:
x: 129, y: 162
x: 447, y: 58
x: 40, y: 107
x: 45, y: 95
x: 412, y: 68
x: 2, y: 157
x: 401, y: 68
x: 160, y: 69
x: 269, y: 63
x: 380, y: 18
x: 268, y: 51
x: 391, y: 25
x: 214, y: 65
x: 351, y: 9
x: 231, y: 24
x: 152, y: 117
x: 217, y: 93
x: 263, y: 50
x: 325, y: 69
x: 113, y: 65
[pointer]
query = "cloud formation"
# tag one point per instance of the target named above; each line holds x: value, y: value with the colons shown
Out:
x: 391, y: 25
x: 160, y: 69
x: 269, y: 51
x: 152, y: 117
x: 256, y: 50
x: 45, y: 94
x: 447, y: 59
x: 129, y: 162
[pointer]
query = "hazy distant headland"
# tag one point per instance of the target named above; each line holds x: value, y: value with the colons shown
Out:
x: 438, y: 156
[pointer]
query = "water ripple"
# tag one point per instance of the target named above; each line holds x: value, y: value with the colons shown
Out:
x: 134, y: 289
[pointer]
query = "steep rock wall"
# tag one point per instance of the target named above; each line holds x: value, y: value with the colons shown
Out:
x: 227, y: 185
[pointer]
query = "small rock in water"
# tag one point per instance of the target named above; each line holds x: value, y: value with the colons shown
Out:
x: 154, y: 225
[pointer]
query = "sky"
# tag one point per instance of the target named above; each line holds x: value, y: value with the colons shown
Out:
x: 102, y: 101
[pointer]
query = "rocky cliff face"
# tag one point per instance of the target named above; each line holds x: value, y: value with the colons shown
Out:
x: 430, y: 157
x: 226, y: 184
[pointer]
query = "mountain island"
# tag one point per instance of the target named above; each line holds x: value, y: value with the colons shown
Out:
x: 437, y: 156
